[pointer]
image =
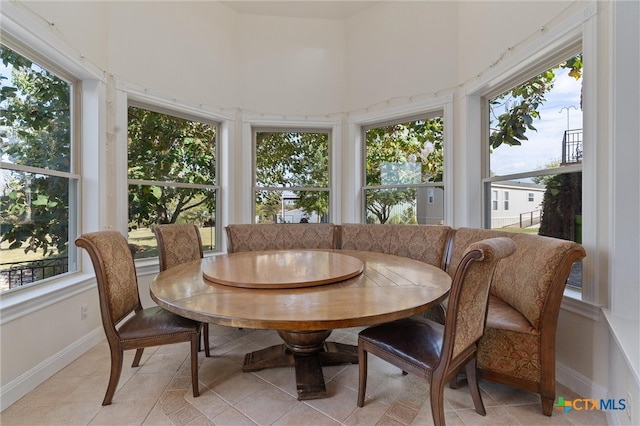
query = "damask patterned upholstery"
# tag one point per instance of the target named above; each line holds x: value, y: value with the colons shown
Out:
x: 426, y: 243
x: 180, y: 243
x: 119, y: 298
x: 177, y: 244
x: 435, y: 352
x: 281, y: 236
x: 518, y: 348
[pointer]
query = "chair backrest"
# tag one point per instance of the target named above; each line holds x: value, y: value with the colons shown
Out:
x: 177, y: 244
x: 467, y: 306
x: 116, y: 276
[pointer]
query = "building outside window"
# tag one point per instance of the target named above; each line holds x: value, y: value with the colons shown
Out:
x: 172, y: 175
x: 38, y: 177
x: 404, y: 170
x: 291, y: 172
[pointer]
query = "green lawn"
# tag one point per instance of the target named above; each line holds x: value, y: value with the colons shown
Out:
x: 147, y: 246
x: 533, y: 230
x: 143, y: 238
x: 17, y: 255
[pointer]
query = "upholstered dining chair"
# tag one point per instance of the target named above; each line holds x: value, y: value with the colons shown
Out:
x: 177, y: 244
x: 433, y: 351
x: 119, y: 298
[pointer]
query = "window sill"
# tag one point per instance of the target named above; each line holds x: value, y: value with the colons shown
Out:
x: 147, y: 266
x: 24, y: 302
x: 572, y: 302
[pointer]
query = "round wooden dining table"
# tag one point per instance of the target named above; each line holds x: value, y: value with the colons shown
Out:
x: 304, y: 295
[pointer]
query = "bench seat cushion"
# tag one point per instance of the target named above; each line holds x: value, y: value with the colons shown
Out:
x: 504, y: 317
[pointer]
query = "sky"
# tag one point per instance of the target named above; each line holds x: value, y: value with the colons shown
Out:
x: 545, y: 145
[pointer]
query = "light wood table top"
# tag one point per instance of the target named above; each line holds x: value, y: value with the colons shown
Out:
x: 278, y: 269
x: 303, y: 294
x: 389, y: 288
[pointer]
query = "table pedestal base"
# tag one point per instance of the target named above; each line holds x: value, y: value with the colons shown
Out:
x: 307, y: 351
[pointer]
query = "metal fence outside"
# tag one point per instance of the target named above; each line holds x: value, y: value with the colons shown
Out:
x: 17, y: 274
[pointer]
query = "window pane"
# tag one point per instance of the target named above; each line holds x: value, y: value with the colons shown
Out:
x: 35, y: 125
x: 180, y: 155
x: 403, y: 157
x: 150, y: 205
x: 35, y: 226
x: 37, y: 210
x: 538, y: 124
x: 557, y: 211
x: 170, y: 149
x: 404, y: 153
x: 292, y: 206
x: 292, y: 159
x: 419, y: 205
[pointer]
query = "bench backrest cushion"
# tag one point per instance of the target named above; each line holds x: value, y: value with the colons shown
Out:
x: 426, y: 243
x: 536, y: 273
x: 462, y: 237
x: 530, y: 278
x: 281, y: 236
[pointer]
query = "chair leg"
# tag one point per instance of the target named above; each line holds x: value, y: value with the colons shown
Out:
x: 453, y: 383
x: 114, y: 377
x: 137, y: 357
x: 436, y: 396
x: 472, y: 381
x: 362, y: 374
x: 194, y: 365
x: 205, y: 339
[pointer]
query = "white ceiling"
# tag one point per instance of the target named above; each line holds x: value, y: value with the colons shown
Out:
x: 301, y: 9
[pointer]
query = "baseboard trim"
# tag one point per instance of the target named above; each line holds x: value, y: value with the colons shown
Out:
x: 25, y: 383
x: 579, y: 383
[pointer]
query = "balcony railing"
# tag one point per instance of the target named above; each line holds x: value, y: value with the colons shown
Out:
x: 572, y: 146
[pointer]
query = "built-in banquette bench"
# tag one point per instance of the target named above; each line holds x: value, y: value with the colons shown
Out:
x: 271, y: 236
x: 518, y: 348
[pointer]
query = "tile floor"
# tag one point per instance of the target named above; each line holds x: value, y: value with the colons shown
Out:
x: 158, y: 392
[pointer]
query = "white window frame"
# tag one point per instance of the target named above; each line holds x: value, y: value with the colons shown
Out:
x: 580, y: 27
x: 131, y: 94
x: 172, y: 184
x: 279, y: 123
x: 72, y: 174
x: 23, y: 28
x: 256, y: 188
x: 354, y: 195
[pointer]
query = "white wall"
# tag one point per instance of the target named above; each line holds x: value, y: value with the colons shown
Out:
x: 390, y: 54
x: 397, y: 51
x: 63, y: 24
x: 187, y: 53
x: 488, y: 30
x: 291, y: 66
